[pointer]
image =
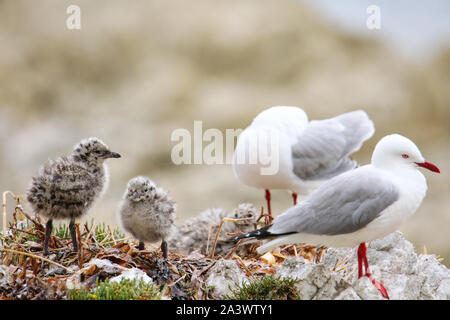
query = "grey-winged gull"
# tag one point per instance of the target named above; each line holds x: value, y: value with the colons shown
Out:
x: 281, y: 149
x: 361, y: 205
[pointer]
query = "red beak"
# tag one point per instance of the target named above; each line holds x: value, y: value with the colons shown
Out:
x: 429, y: 166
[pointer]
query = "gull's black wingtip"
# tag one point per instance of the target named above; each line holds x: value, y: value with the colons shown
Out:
x: 261, y: 233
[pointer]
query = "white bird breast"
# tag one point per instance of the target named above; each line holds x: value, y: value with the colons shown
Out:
x: 262, y: 159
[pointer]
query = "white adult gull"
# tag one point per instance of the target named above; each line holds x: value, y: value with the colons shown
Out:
x: 307, y: 152
x: 358, y: 206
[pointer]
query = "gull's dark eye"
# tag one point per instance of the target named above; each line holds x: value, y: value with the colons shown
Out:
x: 405, y: 156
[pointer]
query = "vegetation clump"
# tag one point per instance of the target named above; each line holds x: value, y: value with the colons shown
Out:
x: 124, y: 290
x: 267, y: 288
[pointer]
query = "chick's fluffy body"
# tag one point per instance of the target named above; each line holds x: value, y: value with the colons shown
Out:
x: 68, y: 186
x: 147, y: 211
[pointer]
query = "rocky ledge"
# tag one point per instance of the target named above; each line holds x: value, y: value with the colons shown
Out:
x: 393, y: 262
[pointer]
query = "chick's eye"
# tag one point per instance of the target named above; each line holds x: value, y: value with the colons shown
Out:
x: 405, y: 156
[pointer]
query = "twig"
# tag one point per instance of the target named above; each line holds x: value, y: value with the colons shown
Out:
x: 4, y: 210
x: 112, y: 235
x: 37, y: 257
x: 350, y: 273
x: 295, y: 250
x: 91, y: 232
x: 209, y: 237
x: 24, y: 231
x: 180, y: 278
x: 80, y: 247
x: 263, y: 215
x: 233, y: 250
x: 339, y: 263
x: 211, y: 255
x: 39, y: 226
x: 243, y: 264
x: 119, y: 240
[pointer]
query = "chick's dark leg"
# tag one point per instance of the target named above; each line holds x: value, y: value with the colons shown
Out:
x: 164, y: 249
x: 48, y: 234
x: 73, y: 234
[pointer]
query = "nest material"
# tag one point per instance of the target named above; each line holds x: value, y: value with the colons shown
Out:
x: 32, y: 276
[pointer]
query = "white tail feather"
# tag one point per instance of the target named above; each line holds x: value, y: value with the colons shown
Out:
x: 274, y: 243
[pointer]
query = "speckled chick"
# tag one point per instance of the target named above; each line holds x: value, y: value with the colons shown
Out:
x: 194, y: 233
x: 147, y: 212
x: 67, y: 187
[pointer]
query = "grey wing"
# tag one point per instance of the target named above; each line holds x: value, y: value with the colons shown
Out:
x: 341, y: 205
x: 323, y: 147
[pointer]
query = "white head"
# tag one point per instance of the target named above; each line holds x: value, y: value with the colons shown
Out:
x: 396, y: 152
x: 289, y: 115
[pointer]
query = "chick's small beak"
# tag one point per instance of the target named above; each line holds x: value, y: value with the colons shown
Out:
x: 135, y: 195
x: 429, y: 166
x: 111, y: 155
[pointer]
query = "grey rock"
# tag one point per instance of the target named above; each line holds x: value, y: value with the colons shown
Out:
x: 366, y: 290
x: 317, y: 281
x: 348, y: 294
x: 443, y: 291
x: 224, y: 276
x: 297, y: 268
x: 437, y: 277
x: 333, y: 255
x: 393, y: 253
x: 392, y: 260
x: 405, y: 274
x: 332, y: 288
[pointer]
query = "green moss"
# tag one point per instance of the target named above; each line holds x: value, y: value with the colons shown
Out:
x: 103, y: 231
x: 61, y: 231
x: 267, y: 288
x: 125, y: 290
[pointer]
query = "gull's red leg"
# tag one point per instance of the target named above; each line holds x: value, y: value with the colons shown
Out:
x: 294, y: 196
x: 362, y: 258
x: 268, y: 204
x: 363, y: 248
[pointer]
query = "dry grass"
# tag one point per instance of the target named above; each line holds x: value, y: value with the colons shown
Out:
x: 53, y: 277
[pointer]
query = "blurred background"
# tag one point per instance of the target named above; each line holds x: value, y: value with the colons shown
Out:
x: 138, y: 70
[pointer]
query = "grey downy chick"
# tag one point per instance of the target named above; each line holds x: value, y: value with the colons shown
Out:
x: 147, y: 212
x: 195, y: 233
x: 67, y: 187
